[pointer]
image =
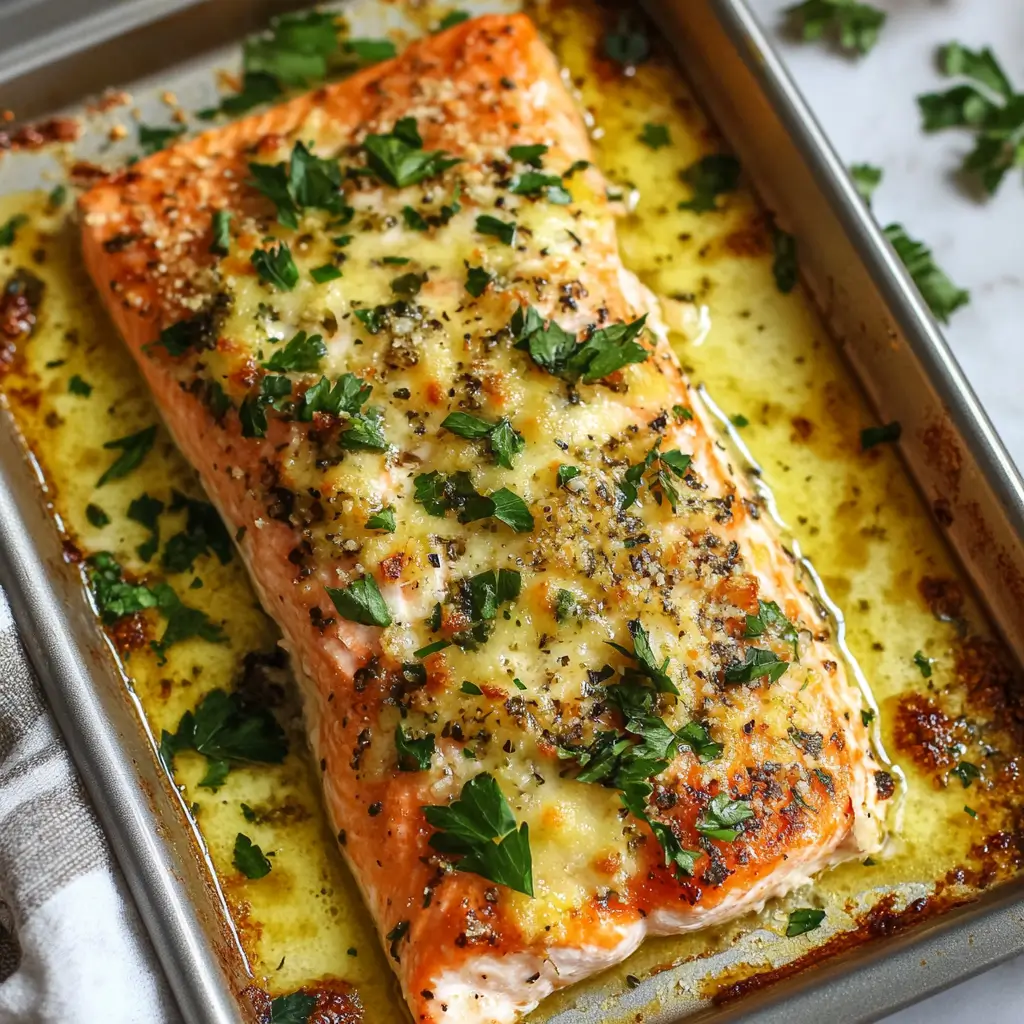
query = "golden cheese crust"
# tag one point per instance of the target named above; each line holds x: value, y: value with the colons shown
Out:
x: 388, y: 324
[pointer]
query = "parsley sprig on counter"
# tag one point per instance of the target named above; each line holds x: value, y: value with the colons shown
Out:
x: 853, y: 25
x: 602, y: 352
x: 984, y: 102
x: 480, y: 829
x: 942, y: 296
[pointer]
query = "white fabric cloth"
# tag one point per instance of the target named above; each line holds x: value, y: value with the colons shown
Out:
x: 72, y: 948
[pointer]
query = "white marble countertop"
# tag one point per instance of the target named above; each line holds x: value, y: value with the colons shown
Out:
x: 867, y: 107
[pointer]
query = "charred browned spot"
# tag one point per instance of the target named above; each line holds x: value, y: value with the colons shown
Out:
x: 884, y: 785
x: 393, y: 565
x: 750, y: 240
x: 336, y: 1003
x: 802, y: 428
x: 924, y: 732
x: 944, y: 454
x: 494, y: 692
x: 35, y: 136
x: 994, y: 859
x: 943, y: 512
x: 71, y: 551
x: 85, y: 173
x: 993, y: 685
x: 944, y: 597
x: 129, y: 633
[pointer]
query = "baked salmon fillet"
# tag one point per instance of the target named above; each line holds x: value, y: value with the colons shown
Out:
x: 564, y: 686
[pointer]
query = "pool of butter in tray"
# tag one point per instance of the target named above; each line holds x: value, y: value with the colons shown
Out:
x: 766, y: 357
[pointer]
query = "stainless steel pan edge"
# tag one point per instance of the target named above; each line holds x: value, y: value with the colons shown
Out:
x: 877, y: 315
x: 174, y: 889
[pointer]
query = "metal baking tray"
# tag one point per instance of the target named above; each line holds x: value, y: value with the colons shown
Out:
x: 53, y: 54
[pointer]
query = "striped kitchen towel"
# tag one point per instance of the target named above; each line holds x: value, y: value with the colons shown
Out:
x: 72, y: 948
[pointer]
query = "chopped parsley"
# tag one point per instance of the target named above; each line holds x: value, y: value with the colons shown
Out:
x: 530, y: 154
x: 554, y: 349
x: 866, y: 178
x: 567, y: 606
x: 225, y: 728
x: 221, y: 228
x: 535, y: 183
x: 273, y: 392
x: 504, y: 231
x: 887, y: 434
x: 867, y: 716
x: 757, y: 664
x: 451, y: 19
x: 710, y: 177
x: 966, y: 773
x: 383, y: 520
x: 785, y: 268
x: 183, y: 623
x: 370, y: 51
x: 439, y: 493
x: 114, y: 597
x: 276, y: 267
x: 414, y: 220
x: 806, y: 919
x: 306, y: 182
x: 152, y: 140
x: 204, y: 534
x: 505, y: 441
x: 296, y: 1008
x: 325, y: 273
x: 9, y: 229
x: 302, y: 354
x: 361, y: 601
x: 477, y: 280
x: 258, y: 87
x: 249, y: 858
x: 923, y: 663
x: 986, y: 103
x: 399, y: 159
x: 480, y: 829
x: 627, y: 44
x: 97, y: 516
x: 77, y: 386
x: 647, y: 667
x: 181, y: 337
x: 661, y: 467
x: 57, y: 197
x: 853, y: 25
x: 565, y: 474
x: 656, y: 136
x: 295, y: 51
x: 942, y: 296
x: 695, y: 737
x: 348, y: 395
x: 471, y: 688
x: 771, y: 620
x: 408, y: 285
x: 145, y: 510
x: 722, y: 815
x: 413, y: 754
x: 133, y: 448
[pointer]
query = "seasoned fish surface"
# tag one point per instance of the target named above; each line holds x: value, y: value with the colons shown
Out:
x: 564, y: 686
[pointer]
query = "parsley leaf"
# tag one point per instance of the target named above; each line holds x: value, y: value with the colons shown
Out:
x: 361, y: 601
x: 556, y: 350
x: 647, y: 666
x: 529, y: 154
x: 325, y: 273
x: 302, y: 354
x: 307, y: 182
x: 757, y: 664
x: 383, y: 520
x: 505, y: 441
x: 511, y: 510
x: 870, y: 436
x: 771, y: 620
x: 152, y: 140
x: 628, y: 44
x: 221, y: 229
x: 348, y: 395
x: 987, y: 104
x: 145, y: 510
x: 413, y: 754
x: 276, y: 267
x: 370, y: 51
x: 566, y: 473
x: 695, y: 737
x: 258, y: 87
x: 806, y: 919
x: 223, y: 727
x: 854, y: 26
x: 193, y: 332
x: 785, y: 268
x: 682, y: 861
x: 469, y: 826
x: 183, y: 623
x: 477, y: 280
x: 534, y: 183
x: 292, y: 1009
x: 439, y: 494
x: 77, y: 386
x: 249, y: 858
x: 722, y: 815
x: 451, y: 19
x: 114, y: 597
x: 942, y: 296
x: 711, y: 176
x: 924, y: 664
x: 504, y: 231
x: 866, y: 178
x: 9, y: 229
x: 399, y: 159
x: 656, y: 136
x: 134, y: 448
x: 296, y: 49
x: 204, y: 534
x: 966, y: 773
x: 97, y: 516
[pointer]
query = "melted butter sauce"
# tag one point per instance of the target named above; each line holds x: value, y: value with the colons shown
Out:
x: 766, y: 357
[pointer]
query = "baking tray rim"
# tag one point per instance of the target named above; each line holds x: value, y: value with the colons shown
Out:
x: 201, y: 987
